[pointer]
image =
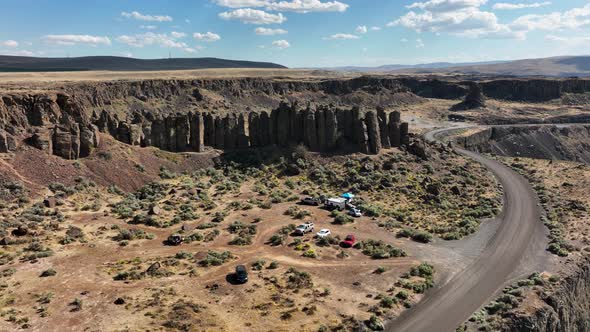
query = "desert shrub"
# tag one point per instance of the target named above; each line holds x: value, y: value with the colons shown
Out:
x: 310, y: 253
x: 375, y: 324
x: 241, y: 240
x: 298, y: 279
x: 209, y: 237
x: 379, y: 270
x: 387, y: 302
x: 379, y: 249
x: 258, y: 265
x: 76, y: 304
x: 276, y: 240
x: 127, y: 275
x: 206, y: 225
x: 48, y: 273
x: 215, y: 258
x: 273, y: 265
x: 166, y: 174
x: 423, y: 270
x: 183, y: 255
x: 195, y: 237
x: 402, y: 295
x: 132, y: 234
x: 219, y: 216
x: 326, y: 241
x: 423, y: 237
x: 343, y: 219
x: 297, y: 213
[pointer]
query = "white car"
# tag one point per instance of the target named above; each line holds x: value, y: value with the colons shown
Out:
x: 324, y: 233
x: 355, y: 212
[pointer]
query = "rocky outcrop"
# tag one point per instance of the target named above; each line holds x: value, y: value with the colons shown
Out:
x: 565, y: 309
x: 473, y: 100
x: 538, y: 141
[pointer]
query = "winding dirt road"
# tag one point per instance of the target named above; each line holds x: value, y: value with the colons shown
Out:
x: 449, y: 305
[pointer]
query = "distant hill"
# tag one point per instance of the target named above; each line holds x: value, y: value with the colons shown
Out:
x: 564, y: 66
x: 112, y: 63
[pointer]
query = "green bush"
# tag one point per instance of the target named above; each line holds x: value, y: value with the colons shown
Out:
x: 215, y: 258
x: 343, y: 219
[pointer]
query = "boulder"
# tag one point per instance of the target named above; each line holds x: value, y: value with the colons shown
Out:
x: 418, y: 148
x: 50, y: 202
x: 155, y: 211
x: 20, y: 231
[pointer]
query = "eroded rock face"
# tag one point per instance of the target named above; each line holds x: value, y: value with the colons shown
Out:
x: 473, y: 100
x: 61, y: 125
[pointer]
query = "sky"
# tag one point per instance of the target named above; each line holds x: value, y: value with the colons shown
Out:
x: 299, y: 33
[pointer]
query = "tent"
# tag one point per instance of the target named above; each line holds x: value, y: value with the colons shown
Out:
x: 347, y: 196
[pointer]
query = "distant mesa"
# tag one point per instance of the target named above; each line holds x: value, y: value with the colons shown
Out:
x: 112, y: 63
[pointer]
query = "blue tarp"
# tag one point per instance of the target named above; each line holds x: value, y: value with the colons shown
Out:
x: 347, y: 196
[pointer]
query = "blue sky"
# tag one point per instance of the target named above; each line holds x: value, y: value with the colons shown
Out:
x: 299, y: 33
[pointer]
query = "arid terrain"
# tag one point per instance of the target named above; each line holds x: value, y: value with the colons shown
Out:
x: 99, y: 169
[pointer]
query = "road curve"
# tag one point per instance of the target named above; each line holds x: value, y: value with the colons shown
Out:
x: 446, y: 307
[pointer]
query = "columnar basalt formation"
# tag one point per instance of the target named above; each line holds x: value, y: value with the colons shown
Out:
x: 320, y: 128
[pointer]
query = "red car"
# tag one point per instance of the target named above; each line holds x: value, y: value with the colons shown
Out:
x: 349, y: 241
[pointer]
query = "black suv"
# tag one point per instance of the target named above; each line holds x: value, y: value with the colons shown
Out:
x: 241, y: 274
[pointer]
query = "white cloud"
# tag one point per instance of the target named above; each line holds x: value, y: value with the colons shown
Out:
x: 148, y: 27
x: 151, y: 39
x: 69, y: 40
x: 342, y: 36
x: 511, y: 6
x: 270, y: 32
x: 404, y: 40
x: 447, y: 5
x: 9, y: 43
x: 126, y: 54
x: 307, y: 6
x: 375, y: 28
x: 19, y: 53
x: 361, y: 29
x: 281, y: 44
x: 241, y: 3
x: 419, y: 43
x: 571, y: 19
x: 142, y: 17
x: 298, y: 6
x: 178, y: 35
x: 253, y: 16
x: 207, y: 36
x: 457, y: 17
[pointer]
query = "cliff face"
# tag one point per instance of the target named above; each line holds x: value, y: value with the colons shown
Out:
x: 539, y: 142
x: 533, y: 90
x: 177, y: 116
x: 565, y: 309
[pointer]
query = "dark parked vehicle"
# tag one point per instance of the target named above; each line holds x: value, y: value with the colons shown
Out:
x: 311, y: 201
x: 241, y: 274
x: 175, y: 239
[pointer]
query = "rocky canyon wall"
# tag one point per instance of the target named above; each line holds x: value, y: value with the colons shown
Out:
x: 62, y: 125
x: 558, y: 142
x: 565, y: 309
